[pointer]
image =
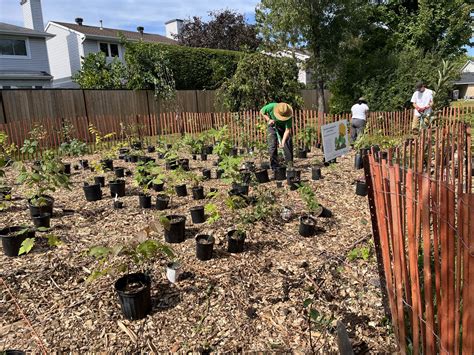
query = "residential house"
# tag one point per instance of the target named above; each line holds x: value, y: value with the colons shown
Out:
x: 464, y: 87
x: 73, y: 41
x: 23, y: 53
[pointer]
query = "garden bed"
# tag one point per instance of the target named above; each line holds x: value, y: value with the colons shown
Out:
x: 250, y: 301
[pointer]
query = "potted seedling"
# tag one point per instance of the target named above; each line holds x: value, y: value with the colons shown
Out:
x: 143, y: 179
x: 179, y: 178
x: 307, y: 226
x: 205, y: 242
x: 5, y: 151
x: 107, y: 155
x: 231, y: 174
x: 45, y: 180
x: 316, y: 169
x: 133, y: 289
x: 163, y: 200
x: 361, y: 187
x: 174, y: 227
x: 13, y: 238
x: 305, y: 139
x: 197, y: 190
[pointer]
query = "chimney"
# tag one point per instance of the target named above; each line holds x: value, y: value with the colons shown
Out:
x: 141, y: 29
x: 173, y: 28
x: 32, y: 14
x: 79, y: 21
x: 101, y: 25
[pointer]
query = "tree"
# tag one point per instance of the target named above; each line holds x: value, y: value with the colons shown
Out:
x: 320, y: 26
x: 260, y: 79
x: 226, y: 30
x: 97, y: 73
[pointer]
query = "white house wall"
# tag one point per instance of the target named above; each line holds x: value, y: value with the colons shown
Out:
x: 64, y: 51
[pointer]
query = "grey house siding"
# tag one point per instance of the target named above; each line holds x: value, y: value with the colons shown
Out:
x: 38, y: 60
x: 64, y: 51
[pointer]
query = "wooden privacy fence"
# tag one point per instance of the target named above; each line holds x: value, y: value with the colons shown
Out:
x: 244, y: 127
x: 422, y: 207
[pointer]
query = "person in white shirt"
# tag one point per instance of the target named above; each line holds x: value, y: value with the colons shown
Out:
x: 359, y: 118
x: 422, y: 101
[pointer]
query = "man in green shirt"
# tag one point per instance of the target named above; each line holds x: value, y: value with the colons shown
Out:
x: 278, y: 117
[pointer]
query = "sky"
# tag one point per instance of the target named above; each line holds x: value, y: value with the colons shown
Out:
x: 124, y: 14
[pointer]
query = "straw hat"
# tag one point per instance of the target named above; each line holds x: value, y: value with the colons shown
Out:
x: 283, y: 111
x: 362, y: 99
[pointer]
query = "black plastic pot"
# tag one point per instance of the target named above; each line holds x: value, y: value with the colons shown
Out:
x: 162, y: 202
x: 198, y: 193
x: 100, y: 180
x: 161, y: 156
x: 316, y: 173
x: 45, y: 207
x: 123, y: 151
x: 262, y: 176
x: 291, y: 173
x: 241, y: 151
x: 42, y: 220
x: 219, y: 173
x: 84, y: 163
x: 12, y: 243
x: 233, y: 152
x: 203, y: 156
x: 209, y: 149
x: 206, y: 173
x: 175, y: 231
x: 150, y: 149
x: 107, y: 164
x: 181, y: 190
x: 361, y: 188
x: 307, y: 226
x: 302, y: 153
x: 137, y: 145
x: 279, y: 184
x: 92, y: 192
x: 358, y: 162
x: 204, y: 246
x: 158, y: 187
x: 144, y: 200
x: 294, y: 183
x: 118, y: 205
x: 249, y: 165
x: 197, y: 214
x: 5, y: 191
x: 184, y: 164
x: 239, y: 190
x: 171, y: 165
x: 117, y: 188
x: 280, y: 173
x: 235, y: 241
x: 67, y: 168
x: 133, y: 158
x: 14, y: 352
x: 119, y: 172
x: 134, y: 295
x: 265, y: 165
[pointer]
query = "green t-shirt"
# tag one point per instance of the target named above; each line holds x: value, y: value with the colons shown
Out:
x: 268, y: 110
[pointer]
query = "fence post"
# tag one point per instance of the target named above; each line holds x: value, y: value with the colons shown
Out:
x: 376, y: 235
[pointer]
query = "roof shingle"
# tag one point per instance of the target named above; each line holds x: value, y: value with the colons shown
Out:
x: 7, y: 28
x: 94, y: 31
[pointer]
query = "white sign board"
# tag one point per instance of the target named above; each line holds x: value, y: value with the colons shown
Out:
x: 335, y: 139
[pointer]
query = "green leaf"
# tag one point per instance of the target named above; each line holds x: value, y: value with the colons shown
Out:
x: 307, y: 302
x: 26, y: 246
x: 314, y: 314
x: 53, y: 240
x: 42, y: 229
x: 99, y: 252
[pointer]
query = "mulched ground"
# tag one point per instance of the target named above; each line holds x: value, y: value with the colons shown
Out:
x: 236, y: 302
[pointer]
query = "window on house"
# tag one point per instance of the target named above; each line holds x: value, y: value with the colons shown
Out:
x: 104, y: 48
x: 13, y: 47
x: 114, y: 51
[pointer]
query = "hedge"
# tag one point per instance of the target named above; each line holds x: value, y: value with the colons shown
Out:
x: 200, y: 68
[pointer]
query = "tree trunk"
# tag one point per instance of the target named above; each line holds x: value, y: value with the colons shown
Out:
x: 321, y: 98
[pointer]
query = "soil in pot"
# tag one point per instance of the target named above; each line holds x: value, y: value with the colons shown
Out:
x: 100, y: 180
x: 158, y: 187
x: 361, y: 188
x: 280, y: 173
x: 235, y: 241
x: 134, y: 295
x: 206, y: 173
x: 307, y: 226
x: 204, y: 246
x: 162, y: 202
x: 197, y: 214
x: 262, y: 176
x: 117, y: 188
x: 42, y: 220
x: 39, y: 205
x: 92, y: 192
x: 107, y: 164
x: 198, y: 193
x: 181, y: 190
x: 12, y: 237
x: 144, y: 200
x: 316, y: 173
x: 119, y: 172
x: 175, y: 229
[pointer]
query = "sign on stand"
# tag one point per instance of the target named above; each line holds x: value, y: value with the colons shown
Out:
x: 335, y: 139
